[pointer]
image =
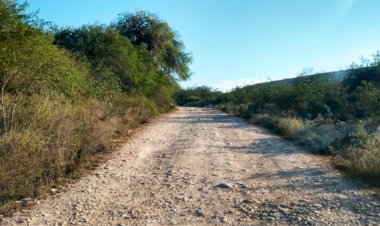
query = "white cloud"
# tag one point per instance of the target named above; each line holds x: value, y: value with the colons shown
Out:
x: 227, y: 85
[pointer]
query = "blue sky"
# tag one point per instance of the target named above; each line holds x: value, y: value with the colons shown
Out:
x: 237, y: 42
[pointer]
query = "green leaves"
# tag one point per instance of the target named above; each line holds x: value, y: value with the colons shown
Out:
x: 115, y: 62
x: 140, y: 55
x: 368, y: 99
x: 166, y: 49
x: 66, y: 95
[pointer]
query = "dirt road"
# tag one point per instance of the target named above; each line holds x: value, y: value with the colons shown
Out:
x: 202, y: 167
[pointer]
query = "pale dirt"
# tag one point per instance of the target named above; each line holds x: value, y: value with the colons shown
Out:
x: 169, y: 172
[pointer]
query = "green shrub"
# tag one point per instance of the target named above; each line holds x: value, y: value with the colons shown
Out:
x: 60, y: 107
x: 265, y: 120
x: 341, y: 163
x: 140, y: 110
x: 228, y: 107
x: 324, y: 137
x: 163, y: 98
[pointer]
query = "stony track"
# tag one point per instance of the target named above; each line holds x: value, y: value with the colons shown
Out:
x: 199, y: 166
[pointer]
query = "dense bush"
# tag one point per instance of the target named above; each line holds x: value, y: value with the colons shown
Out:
x: 198, y: 96
x: 66, y: 95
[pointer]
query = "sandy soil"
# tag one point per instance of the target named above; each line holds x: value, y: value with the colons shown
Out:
x: 199, y: 166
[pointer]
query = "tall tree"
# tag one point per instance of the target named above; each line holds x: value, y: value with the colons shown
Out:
x: 116, y: 62
x: 166, y: 49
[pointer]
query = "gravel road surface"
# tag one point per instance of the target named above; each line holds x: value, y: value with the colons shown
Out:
x: 199, y: 166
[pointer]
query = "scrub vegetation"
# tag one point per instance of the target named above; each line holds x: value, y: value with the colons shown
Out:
x: 67, y: 93
x: 335, y: 113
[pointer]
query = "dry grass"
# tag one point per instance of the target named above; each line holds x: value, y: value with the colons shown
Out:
x: 140, y: 110
x: 355, y: 149
x: 365, y: 158
x: 54, y: 138
x: 290, y: 127
x: 23, y: 157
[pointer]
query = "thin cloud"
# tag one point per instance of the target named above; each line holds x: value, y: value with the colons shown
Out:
x: 347, y: 5
x: 227, y: 85
x: 344, y: 9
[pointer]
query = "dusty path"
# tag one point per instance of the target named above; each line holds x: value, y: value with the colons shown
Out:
x: 203, y: 167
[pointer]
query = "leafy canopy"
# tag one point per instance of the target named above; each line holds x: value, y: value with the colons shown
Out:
x: 165, y: 48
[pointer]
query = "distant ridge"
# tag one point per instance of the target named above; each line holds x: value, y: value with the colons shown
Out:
x: 334, y: 76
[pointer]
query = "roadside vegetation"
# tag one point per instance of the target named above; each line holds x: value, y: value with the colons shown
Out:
x: 335, y: 114
x: 67, y: 93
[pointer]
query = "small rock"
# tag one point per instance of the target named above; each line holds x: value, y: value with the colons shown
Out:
x: 316, y: 205
x: 61, y: 224
x: 223, y: 219
x: 21, y: 221
x: 241, y: 185
x: 271, y: 218
x: 53, y: 190
x: 283, y: 210
x: 223, y: 186
x: 247, y: 201
x: 198, y: 213
x: 83, y: 220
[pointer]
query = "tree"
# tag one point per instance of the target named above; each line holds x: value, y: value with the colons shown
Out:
x: 166, y: 49
x: 31, y: 64
x: 15, y: 35
x: 115, y: 62
x: 368, y: 99
x: 199, y: 96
